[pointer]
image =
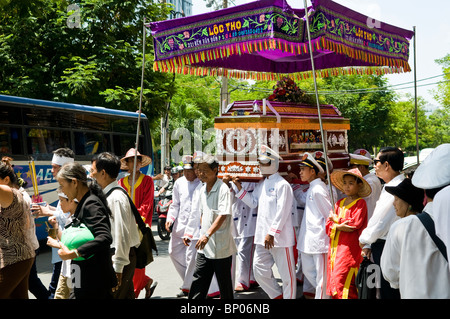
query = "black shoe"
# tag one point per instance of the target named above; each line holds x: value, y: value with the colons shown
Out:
x: 182, y: 294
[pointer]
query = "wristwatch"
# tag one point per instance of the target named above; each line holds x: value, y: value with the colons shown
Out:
x: 207, y: 235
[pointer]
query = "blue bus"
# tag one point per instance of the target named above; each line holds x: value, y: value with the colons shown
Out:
x: 33, y: 128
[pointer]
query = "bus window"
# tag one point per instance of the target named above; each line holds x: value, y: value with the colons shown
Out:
x: 122, y: 143
x: 10, y: 115
x: 124, y: 126
x: 91, y: 143
x: 11, y: 141
x: 42, y: 142
x: 91, y: 122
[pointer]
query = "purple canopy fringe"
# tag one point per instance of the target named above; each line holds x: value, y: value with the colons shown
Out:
x: 266, y: 40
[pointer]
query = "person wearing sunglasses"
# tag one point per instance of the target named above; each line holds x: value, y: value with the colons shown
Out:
x: 388, y: 165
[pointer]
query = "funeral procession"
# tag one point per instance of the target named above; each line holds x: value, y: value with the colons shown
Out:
x: 212, y: 156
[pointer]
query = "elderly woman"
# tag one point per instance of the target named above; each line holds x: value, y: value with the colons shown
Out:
x: 92, y: 272
x: 16, y: 252
x: 411, y: 260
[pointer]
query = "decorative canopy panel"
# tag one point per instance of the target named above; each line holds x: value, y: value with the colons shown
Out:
x: 267, y: 39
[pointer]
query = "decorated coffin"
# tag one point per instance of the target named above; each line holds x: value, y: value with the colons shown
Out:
x: 289, y: 127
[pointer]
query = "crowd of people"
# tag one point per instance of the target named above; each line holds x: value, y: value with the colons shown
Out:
x: 227, y: 234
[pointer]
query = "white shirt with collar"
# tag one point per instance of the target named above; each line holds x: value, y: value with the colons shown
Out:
x: 192, y: 229
x: 180, y: 209
x: 298, y: 206
x: 383, y: 216
x: 211, y: 205
x: 412, y: 262
x: 274, y: 198
x: 124, y: 229
x: 372, y: 199
x: 313, y: 238
x: 244, y: 217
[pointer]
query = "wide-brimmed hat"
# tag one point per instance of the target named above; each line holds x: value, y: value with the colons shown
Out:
x: 434, y: 171
x: 337, y: 179
x: 409, y: 193
x: 145, y: 160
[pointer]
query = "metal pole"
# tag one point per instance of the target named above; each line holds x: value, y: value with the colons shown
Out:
x: 224, y: 95
x: 415, y: 97
x: 144, y: 35
x: 318, y: 104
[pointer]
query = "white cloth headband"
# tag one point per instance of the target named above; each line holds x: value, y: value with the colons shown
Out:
x: 63, y: 195
x: 61, y: 160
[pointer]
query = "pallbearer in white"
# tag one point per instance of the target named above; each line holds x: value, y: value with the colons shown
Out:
x: 178, y: 217
x: 274, y: 235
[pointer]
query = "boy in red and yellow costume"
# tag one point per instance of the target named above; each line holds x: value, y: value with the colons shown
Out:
x: 344, y: 226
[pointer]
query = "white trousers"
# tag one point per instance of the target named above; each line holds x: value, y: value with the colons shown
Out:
x: 283, y: 258
x: 183, y: 258
x: 244, y: 261
x: 315, y: 270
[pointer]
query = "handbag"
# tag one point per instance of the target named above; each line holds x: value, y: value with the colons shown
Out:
x: 144, y: 252
x: 361, y: 281
x: 76, y: 235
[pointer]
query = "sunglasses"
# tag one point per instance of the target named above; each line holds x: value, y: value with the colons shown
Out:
x: 376, y: 161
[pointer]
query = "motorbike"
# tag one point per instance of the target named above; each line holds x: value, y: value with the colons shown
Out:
x: 162, y: 208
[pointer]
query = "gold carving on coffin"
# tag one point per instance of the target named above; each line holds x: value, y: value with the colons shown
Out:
x: 247, y: 171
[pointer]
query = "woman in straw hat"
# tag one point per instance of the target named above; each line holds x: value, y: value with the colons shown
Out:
x: 343, y: 227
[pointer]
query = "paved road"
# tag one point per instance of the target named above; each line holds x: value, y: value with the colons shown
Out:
x: 161, y: 270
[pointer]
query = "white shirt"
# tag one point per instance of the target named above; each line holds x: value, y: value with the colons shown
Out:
x: 313, y: 238
x: 61, y: 217
x: 124, y: 229
x: 372, y: 199
x: 213, y: 204
x: 273, y: 196
x: 244, y: 217
x: 193, y: 226
x: 412, y: 262
x: 298, y: 206
x: 441, y: 216
x: 383, y: 216
x: 180, y: 209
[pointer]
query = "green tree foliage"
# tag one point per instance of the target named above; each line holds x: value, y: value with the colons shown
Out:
x: 369, y: 109
x: 442, y: 94
x: 90, y: 53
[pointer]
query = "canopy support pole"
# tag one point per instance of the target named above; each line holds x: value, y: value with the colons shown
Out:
x: 144, y: 35
x: 324, y: 142
x: 415, y: 97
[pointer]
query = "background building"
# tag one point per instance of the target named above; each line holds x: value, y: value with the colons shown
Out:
x: 182, y: 8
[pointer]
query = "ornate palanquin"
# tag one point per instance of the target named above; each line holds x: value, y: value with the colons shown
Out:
x: 290, y: 128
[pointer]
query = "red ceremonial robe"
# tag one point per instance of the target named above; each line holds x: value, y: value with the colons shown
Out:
x: 143, y: 195
x: 344, y: 254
